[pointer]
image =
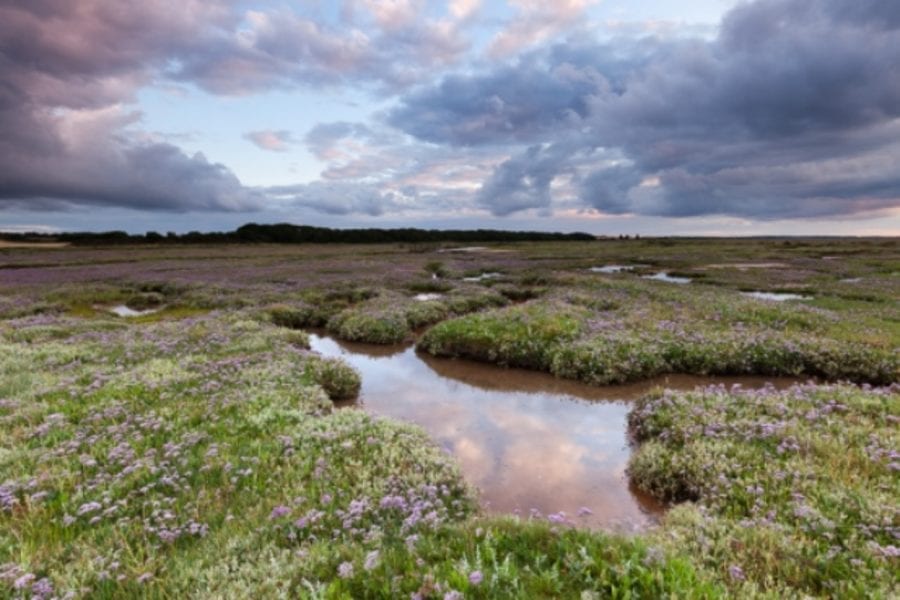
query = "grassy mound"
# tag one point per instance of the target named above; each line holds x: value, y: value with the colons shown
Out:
x: 796, y: 491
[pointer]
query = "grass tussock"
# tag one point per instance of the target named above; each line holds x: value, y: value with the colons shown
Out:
x: 795, y: 490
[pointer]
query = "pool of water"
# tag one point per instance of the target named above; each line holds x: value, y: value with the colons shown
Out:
x: 776, y: 296
x: 527, y: 440
x: 667, y: 278
x: 614, y: 268
x: 482, y: 277
x: 124, y: 311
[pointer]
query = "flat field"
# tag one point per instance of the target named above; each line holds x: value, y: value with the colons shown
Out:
x: 194, y: 449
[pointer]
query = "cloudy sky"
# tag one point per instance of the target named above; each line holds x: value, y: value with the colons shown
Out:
x: 608, y: 116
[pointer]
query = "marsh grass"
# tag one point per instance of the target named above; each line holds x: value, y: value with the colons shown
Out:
x: 795, y: 490
x: 620, y: 330
x: 195, y: 452
x: 339, y: 380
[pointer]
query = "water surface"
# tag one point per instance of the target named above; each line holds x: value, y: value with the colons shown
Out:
x: 614, y: 268
x: 667, y: 278
x: 527, y: 440
x: 776, y: 296
x: 124, y: 311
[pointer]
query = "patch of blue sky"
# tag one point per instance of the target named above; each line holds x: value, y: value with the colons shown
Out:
x: 215, y: 125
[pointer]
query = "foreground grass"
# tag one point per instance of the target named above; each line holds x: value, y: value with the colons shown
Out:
x: 202, y: 458
x: 795, y: 491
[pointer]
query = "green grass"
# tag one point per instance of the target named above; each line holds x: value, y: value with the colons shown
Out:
x: 616, y: 330
x: 796, y: 491
x: 518, y: 336
x: 196, y: 451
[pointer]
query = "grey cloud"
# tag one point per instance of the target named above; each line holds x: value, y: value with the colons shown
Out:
x: 108, y: 171
x: 324, y: 139
x: 66, y: 142
x: 522, y: 182
x: 513, y: 104
x: 337, y: 198
x: 790, y: 112
x: 68, y: 67
x: 283, y: 49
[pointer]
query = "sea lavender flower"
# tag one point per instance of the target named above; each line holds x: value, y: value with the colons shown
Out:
x: 736, y: 573
x: 42, y: 588
x: 371, y: 560
x: 557, y: 518
x: 345, y: 570
x: 89, y: 507
x: 278, y: 512
x: 24, y: 581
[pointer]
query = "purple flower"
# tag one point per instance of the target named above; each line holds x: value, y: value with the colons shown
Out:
x: 559, y: 517
x: 278, y: 512
x: 475, y: 577
x: 736, y: 573
x: 89, y: 507
x: 371, y: 560
x: 23, y: 581
x: 42, y: 588
x: 345, y: 570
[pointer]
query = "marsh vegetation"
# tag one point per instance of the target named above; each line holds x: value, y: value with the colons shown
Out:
x: 196, y: 449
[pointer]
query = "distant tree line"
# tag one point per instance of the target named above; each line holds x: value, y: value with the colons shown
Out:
x: 286, y: 233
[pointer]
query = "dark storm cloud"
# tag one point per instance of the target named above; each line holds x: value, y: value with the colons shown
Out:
x: 68, y: 66
x: 64, y: 138
x: 543, y: 93
x: 790, y: 112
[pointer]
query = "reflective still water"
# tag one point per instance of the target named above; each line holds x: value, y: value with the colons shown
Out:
x: 527, y: 440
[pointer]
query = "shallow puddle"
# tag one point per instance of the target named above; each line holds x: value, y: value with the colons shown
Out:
x: 427, y: 297
x: 527, y: 440
x: 775, y: 296
x: 667, y: 278
x: 614, y: 268
x: 124, y: 311
x: 746, y: 265
x: 482, y: 277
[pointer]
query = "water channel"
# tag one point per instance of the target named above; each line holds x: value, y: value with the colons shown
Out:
x: 527, y: 440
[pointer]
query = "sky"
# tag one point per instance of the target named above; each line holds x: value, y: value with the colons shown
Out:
x: 657, y: 117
